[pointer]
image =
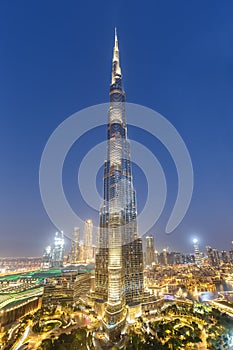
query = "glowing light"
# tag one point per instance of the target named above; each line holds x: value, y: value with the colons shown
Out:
x: 195, y: 241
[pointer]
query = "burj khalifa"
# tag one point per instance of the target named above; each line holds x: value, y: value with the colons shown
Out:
x: 119, y: 260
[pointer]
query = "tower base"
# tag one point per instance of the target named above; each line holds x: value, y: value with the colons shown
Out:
x: 114, y: 321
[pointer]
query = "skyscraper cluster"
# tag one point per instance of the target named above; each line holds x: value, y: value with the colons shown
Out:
x: 82, y: 250
x: 53, y: 255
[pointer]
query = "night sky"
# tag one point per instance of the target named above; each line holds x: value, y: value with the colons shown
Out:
x: 176, y: 57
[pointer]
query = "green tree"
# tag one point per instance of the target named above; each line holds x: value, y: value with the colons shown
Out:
x: 46, y: 344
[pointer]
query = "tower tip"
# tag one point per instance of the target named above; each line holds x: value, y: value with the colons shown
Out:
x: 116, y: 35
x: 116, y: 59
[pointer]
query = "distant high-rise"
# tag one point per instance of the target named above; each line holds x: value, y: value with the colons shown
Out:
x: 216, y: 257
x: 75, y: 246
x: 225, y: 258
x: 88, y: 241
x: 196, y: 252
x: 178, y: 258
x: 57, y: 254
x: 231, y: 256
x: 119, y: 260
x: 149, y: 250
x: 213, y: 256
x: 156, y: 257
x: 164, y: 257
x: 46, y: 259
x: 209, y: 252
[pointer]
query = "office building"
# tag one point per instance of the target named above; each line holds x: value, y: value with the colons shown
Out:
x: 75, y: 247
x: 149, y: 250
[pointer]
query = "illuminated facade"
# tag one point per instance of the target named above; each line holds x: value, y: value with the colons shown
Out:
x: 165, y: 257
x: 46, y: 260
x: 196, y: 252
x: 75, y: 248
x: 119, y: 259
x: 213, y: 256
x: 57, y: 255
x: 88, y: 240
x: 150, y: 250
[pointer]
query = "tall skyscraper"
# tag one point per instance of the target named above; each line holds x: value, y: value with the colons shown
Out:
x: 119, y: 260
x: 164, y: 257
x: 210, y: 256
x: 225, y: 258
x: 75, y: 247
x: 231, y: 256
x: 46, y: 260
x: 213, y: 256
x: 149, y: 250
x: 216, y: 257
x: 88, y: 240
x: 57, y: 255
x: 156, y: 257
x: 196, y: 252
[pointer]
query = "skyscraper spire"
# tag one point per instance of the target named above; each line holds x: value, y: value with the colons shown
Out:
x: 116, y: 39
x: 116, y: 69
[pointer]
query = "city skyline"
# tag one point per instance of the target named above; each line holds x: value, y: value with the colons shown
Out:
x: 187, y: 78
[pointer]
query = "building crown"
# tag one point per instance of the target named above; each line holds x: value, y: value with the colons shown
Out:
x: 116, y: 69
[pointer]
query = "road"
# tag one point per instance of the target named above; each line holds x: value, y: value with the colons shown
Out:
x: 227, y: 309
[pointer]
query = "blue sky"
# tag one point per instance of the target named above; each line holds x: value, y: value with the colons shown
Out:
x: 177, y: 58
